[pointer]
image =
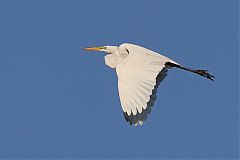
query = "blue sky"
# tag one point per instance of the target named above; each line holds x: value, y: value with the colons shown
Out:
x: 57, y: 101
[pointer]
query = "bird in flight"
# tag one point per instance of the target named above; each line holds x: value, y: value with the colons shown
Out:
x: 139, y: 71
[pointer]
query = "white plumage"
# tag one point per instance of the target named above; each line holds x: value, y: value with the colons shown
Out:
x: 139, y: 72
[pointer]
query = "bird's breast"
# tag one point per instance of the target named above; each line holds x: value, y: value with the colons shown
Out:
x: 113, y: 60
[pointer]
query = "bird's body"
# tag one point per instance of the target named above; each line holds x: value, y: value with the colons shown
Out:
x: 139, y: 72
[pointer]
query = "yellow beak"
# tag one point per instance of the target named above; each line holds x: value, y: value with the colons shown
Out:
x: 92, y: 49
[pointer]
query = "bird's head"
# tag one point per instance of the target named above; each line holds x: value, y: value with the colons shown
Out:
x: 107, y: 49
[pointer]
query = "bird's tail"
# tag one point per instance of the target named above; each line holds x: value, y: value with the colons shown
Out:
x: 203, y: 73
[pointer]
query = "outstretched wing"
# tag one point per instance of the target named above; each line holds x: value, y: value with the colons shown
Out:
x: 139, y: 75
x: 141, y: 117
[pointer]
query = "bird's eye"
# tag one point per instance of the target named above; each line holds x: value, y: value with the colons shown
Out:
x: 127, y: 51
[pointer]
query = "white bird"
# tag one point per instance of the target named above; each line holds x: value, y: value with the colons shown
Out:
x: 139, y: 71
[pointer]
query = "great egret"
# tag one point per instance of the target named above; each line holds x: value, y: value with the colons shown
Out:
x: 139, y: 71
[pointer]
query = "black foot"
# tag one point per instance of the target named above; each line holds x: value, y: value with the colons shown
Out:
x: 205, y: 73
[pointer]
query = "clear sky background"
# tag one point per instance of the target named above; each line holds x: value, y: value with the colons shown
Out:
x: 57, y: 101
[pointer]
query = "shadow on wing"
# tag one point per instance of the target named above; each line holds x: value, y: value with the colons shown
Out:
x: 141, y: 117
